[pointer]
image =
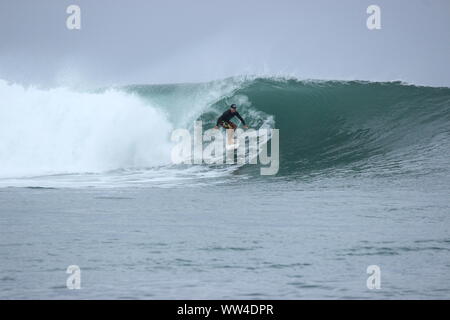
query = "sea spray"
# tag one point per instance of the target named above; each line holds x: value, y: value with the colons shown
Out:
x: 209, y: 147
x: 62, y: 131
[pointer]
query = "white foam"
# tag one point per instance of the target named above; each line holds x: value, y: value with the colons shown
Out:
x: 59, y: 130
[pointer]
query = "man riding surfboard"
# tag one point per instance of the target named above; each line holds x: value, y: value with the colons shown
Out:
x: 224, y: 121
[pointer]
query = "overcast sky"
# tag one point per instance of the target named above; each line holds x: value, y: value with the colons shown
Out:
x: 162, y: 41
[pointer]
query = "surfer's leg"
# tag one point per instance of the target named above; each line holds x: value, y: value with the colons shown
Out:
x: 230, y: 135
x: 230, y: 127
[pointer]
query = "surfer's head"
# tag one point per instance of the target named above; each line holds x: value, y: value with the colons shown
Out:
x: 233, y: 108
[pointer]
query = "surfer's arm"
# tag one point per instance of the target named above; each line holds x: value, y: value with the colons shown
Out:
x: 219, y: 121
x: 240, y: 118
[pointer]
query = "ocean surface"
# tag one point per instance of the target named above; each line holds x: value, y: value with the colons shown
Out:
x: 86, y: 179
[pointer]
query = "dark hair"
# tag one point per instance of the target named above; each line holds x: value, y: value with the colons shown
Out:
x: 233, y: 106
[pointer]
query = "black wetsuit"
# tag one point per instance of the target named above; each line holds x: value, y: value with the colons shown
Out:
x: 227, y: 115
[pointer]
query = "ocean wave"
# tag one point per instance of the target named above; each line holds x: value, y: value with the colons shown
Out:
x: 325, y: 126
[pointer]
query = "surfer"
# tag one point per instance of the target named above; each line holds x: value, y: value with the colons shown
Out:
x: 224, y: 121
